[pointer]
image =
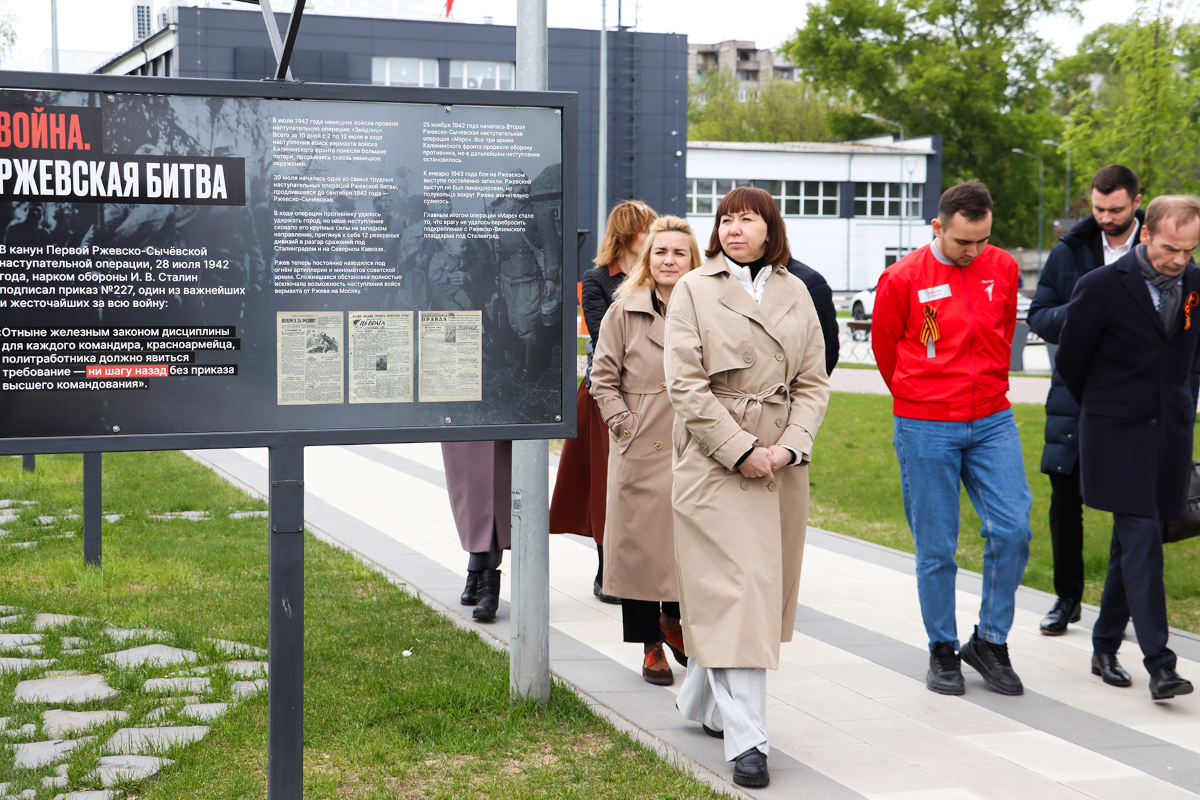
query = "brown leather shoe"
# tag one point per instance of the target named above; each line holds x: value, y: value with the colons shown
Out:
x: 655, y: 668
x: 674, y: 640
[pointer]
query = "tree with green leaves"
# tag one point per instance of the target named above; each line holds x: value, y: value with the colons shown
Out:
x: 972, y: 71
x: 781, y: 111
x: 8, y: 32
x: 1133, y: 96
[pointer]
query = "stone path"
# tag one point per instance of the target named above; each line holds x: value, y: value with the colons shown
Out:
x: 848, y: 711
x: 61, y: 738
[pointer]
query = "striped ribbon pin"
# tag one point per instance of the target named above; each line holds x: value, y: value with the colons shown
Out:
x: 929, y: 332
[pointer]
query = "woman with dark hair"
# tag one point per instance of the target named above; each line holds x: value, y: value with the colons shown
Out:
x: 629, y: 386
x: 746, y: 374
x: 579, y: 489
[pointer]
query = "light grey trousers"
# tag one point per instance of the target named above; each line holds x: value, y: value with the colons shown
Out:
x: 733, y: 700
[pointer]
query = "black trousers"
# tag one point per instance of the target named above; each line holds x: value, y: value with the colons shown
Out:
x: 1134, y: 589
x: 1066, y: 533
x: 639, y: 619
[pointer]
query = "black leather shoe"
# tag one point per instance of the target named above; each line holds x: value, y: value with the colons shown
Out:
x: 1106, y: 666
x: 716, y: 734
x: 945, y: 671
x: 1166, y: 683
x: 470, y: 595
x: 598, y: 584
x: 992, y: 662
x: 1065, y: 610
x: 489, y: 596
x: 750, y: 769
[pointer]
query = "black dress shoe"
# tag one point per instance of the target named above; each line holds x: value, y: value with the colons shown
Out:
x: 716, y: 734
x: 1106, y: 666
x: 598, y: 584
x: 750, y: 769
x: 489, y: 596
x: 1065, y: 610
x: 945, y: 671
x: 1166, y: 683
x: 992, y: 662
x: 470, y: 595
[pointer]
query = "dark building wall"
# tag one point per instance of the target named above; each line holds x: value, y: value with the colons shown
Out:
x: 647, y: 79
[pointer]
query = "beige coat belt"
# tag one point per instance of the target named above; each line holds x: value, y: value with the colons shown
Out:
x: 747, y: 408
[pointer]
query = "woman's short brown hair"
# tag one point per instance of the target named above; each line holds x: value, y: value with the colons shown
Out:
x: 626, y: 222
x: 760, y: 202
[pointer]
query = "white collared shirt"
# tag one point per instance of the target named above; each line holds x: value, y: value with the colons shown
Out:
x: 753, y: 285
x: 1111, y: 253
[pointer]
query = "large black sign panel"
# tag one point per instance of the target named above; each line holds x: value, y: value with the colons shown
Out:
x: 182, y: 264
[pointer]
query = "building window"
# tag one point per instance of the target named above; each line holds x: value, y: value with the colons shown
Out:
x: 481, y: 74
x: 704, y: 194
x: 883, y: 199
x: 805, y: 198
x: 747, y: 75
x: 404, y: 71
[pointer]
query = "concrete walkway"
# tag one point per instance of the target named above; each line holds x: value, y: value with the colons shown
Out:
x: 848, y: 711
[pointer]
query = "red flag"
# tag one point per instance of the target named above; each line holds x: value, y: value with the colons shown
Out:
x: 449, y: 5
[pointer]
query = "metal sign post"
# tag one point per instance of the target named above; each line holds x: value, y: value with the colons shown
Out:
x: 92, y: 509
x: 285, y: 733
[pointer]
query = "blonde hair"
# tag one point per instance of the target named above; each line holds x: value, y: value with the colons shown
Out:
x: 641, y: 275
x: 625, y: 223
x: 1182, y: 208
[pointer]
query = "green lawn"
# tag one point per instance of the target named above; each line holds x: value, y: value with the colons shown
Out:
x: 438, y: 724
x: 856, y: 491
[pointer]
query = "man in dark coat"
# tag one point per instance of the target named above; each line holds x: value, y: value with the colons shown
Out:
x: 1109, y: 233
x: 822, y: 297
x: 1126, y: 353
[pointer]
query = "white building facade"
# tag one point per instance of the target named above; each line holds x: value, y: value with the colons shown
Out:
x: 849, y: 207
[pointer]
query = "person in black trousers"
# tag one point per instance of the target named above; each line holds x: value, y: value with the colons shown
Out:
x: 1109, y: 233
x: 1126, y: 352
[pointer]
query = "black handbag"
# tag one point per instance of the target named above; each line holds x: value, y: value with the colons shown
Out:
x: 1186, y: 524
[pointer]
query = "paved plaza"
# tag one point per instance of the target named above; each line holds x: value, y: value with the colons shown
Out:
x: 848, y: 711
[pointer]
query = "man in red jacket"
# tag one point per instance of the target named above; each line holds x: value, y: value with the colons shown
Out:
x: 942, y: 335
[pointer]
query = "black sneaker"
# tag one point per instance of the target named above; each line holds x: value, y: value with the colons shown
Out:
x: 992, y: 662
x: 945, y: 671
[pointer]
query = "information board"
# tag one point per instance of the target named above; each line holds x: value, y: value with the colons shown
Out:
x: 193, y: 258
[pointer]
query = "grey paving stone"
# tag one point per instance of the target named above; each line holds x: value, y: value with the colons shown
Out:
x: 10, y: 610
x: 65, y: 689
x: 156, y: 654
x: 28, y: 794
x: 23, y: 545
x: 11, y: 640
x: 62, y: 673
x: 74, y: 641
x: 19, y: 664
x: 46, y: 621
x: 4, y: 722
x: 77, y: 652
x: 111, y: 518
x: 9, y: 620
x: 52, y: 781
x: 236, y: 648
x: 30, y: 649
x: 244, y: 688
x: 114, y: 769
x: 142, y: 741
x: 191, y: 516
x: 37, y: 754
x: 599, y: 676
x: 122, y: 635
x: 248, y: 514
x: 246, y: 669
x: 158, y: 713
x: 91, y: 794
x: 8, y: 515
x: 155, y: 685
x: 45, y: 520
x: 60, y: 721
x: 205, y: 712
x: 24, y: 730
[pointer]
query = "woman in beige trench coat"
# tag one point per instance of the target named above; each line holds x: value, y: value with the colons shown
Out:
x: 629, y: 385
x: 745, y: 361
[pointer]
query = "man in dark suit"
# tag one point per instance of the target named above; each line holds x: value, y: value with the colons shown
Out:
x: 822, y: 297
x: 1125, y: 353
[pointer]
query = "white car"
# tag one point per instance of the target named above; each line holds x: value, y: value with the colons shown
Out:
x: 862, y: 305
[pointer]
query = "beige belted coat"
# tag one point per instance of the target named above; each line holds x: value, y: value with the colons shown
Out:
x: 629, y: 385
x: 740, y: 374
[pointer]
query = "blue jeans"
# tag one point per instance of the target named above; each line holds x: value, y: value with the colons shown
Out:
x: 986, y: 455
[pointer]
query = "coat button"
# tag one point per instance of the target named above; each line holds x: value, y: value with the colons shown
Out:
x: 658, y: 445
x: 744, y: 484
x: 778, y: 423
x: 748, y: 357
x: 771, y: 486
x: 779, y: 356
x: 662, y: 385
x: 1070, y: 436
x: 1153, y: 422
x: 627, y: 432
x: 704, y: 449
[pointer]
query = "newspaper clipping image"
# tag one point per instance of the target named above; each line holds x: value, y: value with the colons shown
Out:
x: 381, y: 356
x: 310, y: 357
x: 451, y: 356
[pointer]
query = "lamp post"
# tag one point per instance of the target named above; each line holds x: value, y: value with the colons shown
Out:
x: 54, y: 35
x: 1041, y: 196
x: 1067, y: 183
x: 877, y: 118
x: 602, y: 153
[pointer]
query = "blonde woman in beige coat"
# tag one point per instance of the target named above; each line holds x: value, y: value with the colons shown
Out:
x: 745, y: 360
x: 629, y: 385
